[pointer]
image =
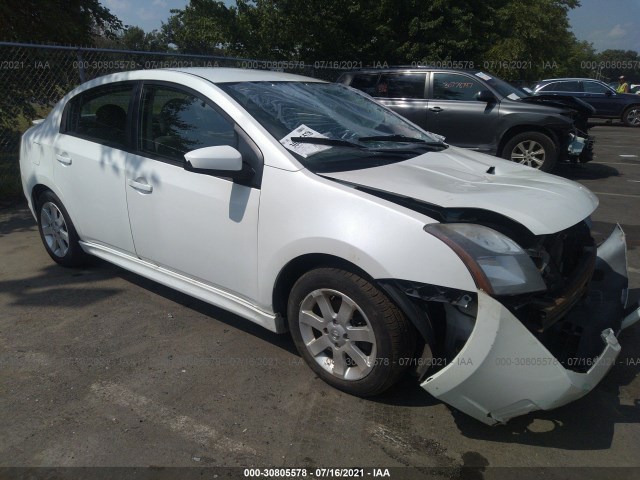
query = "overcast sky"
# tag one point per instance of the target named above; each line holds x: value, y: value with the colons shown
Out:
x: 605, y: 23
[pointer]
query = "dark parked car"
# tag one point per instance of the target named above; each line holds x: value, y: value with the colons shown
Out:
x: 606, y: 101
x: 475, y: 110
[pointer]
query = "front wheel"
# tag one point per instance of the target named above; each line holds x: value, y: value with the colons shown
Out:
x: 631, y: 116
x: 533, y: 149
x: 349, y: 332
x: 57, y: 232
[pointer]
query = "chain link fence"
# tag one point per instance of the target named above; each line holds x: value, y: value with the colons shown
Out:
x: 34, y: 77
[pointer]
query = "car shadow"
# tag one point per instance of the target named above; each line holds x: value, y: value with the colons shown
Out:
x: 283, y: 342
x: 54, y: 286
x: 15, y: 220
x: 585, y: 171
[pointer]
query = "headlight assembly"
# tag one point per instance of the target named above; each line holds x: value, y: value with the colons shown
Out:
x: 498, y: 265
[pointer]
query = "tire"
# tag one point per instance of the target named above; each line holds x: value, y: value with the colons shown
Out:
x: 533, y: 149
x: 631, y: 116
x: 57, y: 232
x: 327, y: 308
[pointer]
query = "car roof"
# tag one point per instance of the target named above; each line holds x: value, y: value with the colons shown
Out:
x: 228, y: 75
x: 570, y: 79
x: 212, y: 74
x: 409, y: 68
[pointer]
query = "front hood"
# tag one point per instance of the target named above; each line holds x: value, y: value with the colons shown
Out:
x: 458, y: 178
x: 561, y: 102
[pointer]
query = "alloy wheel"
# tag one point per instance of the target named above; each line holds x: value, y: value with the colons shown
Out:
x: 54, y: 229
x: 529, y: 152
x: 337, y: 334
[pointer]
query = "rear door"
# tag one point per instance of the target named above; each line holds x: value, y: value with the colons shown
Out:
x: 90, y: 154
x: 455, y: 113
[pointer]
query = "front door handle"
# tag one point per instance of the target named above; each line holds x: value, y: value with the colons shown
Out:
x: 143, y: 187
x: 436, y: 109
x: 63, y: 159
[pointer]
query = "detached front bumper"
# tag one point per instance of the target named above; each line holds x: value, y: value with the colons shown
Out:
x: 504, y: 371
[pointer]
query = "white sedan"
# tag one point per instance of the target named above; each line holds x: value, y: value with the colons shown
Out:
x: 304, y: 206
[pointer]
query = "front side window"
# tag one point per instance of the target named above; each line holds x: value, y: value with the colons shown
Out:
x: 570, y: 86
x: 175, y: 122
x: 100, y: 114
x: 454, y: 86
x: 595, y: 87
x: 402, y: 85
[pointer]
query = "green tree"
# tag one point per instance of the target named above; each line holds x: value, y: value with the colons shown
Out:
x: 518, y: 39
x: 610, y: 64
x: 135, y: 38
x: 531, y: 39
x: 75, y: 22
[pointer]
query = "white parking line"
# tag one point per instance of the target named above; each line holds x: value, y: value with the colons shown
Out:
x: 156, y: 413
x: 616, y: 163
x: 628, y: 156
x: 617, y: 194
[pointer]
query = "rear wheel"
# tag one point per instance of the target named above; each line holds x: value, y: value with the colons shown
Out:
x: 57, y: 232
x: 349, y: 332
x: 533, y: 149
x: 631, y: 116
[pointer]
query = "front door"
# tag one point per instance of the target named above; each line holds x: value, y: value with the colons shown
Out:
x: 191, y: 223
x: 455, y: 113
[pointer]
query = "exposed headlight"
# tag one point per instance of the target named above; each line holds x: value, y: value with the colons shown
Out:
x: 498, y: 265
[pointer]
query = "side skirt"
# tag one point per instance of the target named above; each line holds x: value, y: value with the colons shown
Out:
x: 194, y: 288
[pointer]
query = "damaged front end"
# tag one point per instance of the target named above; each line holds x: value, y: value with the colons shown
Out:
x: 503, y: 353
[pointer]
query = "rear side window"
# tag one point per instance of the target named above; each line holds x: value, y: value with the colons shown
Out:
x: 405, y: 85
x: 454, y: 86
x: 100, y: 114
x: 175, y: 122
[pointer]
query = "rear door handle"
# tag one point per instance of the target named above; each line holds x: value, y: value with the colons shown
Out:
x: 436, y: 109
x: 143, y: 187
x: 63, y: 159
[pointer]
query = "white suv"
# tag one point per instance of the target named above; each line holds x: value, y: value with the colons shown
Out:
x: 305, y: 206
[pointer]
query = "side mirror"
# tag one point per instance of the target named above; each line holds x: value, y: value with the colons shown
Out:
x: 485, y: 96
x: 219, y: 158
x: 219, y: 161
x: 608, y: 93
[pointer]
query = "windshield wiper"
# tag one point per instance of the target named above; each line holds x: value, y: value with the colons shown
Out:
x: 331, y: 142
x: 335, y: 142
x: 398, y: 138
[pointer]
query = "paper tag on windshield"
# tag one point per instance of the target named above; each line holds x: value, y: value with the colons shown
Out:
x: 483, y: 76
x: 304, y: 149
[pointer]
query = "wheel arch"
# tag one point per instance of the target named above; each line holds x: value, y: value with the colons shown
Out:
x: 300, y: 265
x: 518, y: 129
x: 36, y: 191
